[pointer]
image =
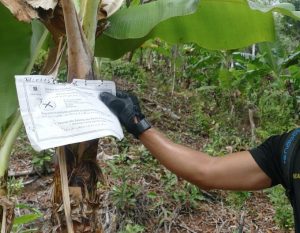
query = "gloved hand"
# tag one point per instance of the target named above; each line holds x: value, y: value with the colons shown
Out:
x: 126, y: 107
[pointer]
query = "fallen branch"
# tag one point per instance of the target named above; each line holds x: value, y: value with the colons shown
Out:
x: 31, y: 181
x: 168, y: 111
x: 208, y: 195
x: 182, y: 225
x: 21, y: 173
x: 26, y: 173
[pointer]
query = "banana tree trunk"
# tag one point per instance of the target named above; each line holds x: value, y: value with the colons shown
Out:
x: 75, y: 199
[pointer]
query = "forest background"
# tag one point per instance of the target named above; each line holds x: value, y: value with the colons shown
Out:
x: 215, y: 101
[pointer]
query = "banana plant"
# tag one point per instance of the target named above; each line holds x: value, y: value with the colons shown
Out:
x: 218, y: 24
x: 19, y: 49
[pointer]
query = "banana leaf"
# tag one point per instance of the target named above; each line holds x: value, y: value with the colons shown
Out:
x: 15, y: 42
x: 212, y: 24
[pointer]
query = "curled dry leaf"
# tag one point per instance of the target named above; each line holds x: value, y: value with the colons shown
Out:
x: 26, y: 10
x: 44, y: 4
x: 109, y: 7
x: 21, y: 10
x: 48, y: 11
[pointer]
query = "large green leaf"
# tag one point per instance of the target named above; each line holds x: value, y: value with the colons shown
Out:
x: 14, y: 57
x: 114, y: 48
x: 19, y: 47
x: 137, y: 21
x: 217, y: 24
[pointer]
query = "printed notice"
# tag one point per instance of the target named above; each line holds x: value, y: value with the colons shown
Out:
x: 56, y: 114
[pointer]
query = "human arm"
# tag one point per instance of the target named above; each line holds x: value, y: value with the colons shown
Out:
x: 237, y: 171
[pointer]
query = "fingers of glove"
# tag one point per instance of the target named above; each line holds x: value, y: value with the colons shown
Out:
x: 134, y: 100
x: 115, y: 104
x: 129, y: 121
x: 137, y: 107
x: 125, y: 106
x: 122, y: 94
x: 107, y: 98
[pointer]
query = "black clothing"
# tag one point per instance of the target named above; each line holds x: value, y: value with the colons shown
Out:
x: 279, y: 158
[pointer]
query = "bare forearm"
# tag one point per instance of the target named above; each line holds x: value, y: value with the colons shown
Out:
x: 237, y: 171
x: 185, y: 162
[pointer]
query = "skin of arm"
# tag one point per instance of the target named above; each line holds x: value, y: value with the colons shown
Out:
x: 236, y: 171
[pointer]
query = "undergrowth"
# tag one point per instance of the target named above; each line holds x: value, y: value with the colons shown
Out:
x: 199, y: 98
x: 220, y: 98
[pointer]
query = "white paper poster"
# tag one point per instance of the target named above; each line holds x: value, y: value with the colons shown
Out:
x: 56, y: 114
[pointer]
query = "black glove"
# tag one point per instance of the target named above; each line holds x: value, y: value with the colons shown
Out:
x: 126, y: 107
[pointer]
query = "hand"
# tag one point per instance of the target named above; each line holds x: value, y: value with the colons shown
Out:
x: 126, y: 107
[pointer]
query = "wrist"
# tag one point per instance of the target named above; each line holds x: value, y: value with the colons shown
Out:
x: 142, y: 126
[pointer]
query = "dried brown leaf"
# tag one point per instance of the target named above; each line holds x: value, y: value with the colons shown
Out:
x: 21, y: 10
x: 108, y: 8
x: 44, y: 4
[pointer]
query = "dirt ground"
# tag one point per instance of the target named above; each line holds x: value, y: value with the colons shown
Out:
x: 211, y: 215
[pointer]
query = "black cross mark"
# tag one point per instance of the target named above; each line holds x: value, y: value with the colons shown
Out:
x: 48, y: 105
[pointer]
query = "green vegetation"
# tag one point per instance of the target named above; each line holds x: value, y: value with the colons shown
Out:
x: 284, y: 213
x: 32, y: 214
x: 25, y: 214
x: 225, y: 93
x: 217, y: 101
